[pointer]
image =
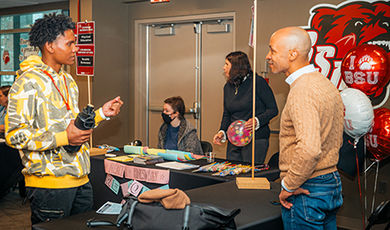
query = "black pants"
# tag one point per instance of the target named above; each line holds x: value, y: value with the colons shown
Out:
x: 47, y: 204
x: 244, y: 153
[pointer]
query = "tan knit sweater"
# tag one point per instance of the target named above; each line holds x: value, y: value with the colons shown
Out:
x: 311, y: 130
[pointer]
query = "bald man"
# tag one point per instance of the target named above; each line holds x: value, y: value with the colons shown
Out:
x: 311, y: 129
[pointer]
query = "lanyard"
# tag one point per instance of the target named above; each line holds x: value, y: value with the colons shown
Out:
x: 66, y: 86
x: 3, y: 112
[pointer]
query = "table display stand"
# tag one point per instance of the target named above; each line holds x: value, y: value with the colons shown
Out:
x: 252, y: 182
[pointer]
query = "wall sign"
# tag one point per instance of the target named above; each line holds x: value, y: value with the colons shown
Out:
x: 85, y: 56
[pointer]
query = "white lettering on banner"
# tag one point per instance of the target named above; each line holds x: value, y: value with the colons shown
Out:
x: 313, y: 37
x: 335, y: 78
x: 85, y: 51
x: 321, y: 58
x: 87, y: 28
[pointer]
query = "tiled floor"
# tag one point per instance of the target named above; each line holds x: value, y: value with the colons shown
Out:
x: 14, y: 215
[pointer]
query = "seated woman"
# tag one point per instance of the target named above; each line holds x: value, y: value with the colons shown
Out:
x: 176, y: 133
x: 3, y: 108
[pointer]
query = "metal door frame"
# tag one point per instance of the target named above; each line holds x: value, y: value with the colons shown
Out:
x: 142, y: 66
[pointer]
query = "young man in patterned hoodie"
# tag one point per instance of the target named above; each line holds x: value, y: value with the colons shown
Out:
x: 43, y: 103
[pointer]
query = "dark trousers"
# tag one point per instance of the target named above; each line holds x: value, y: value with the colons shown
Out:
x: 245, y: 153
x: 47, y: 204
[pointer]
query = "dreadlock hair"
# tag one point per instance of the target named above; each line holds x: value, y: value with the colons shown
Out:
x: 48, y: 28
x: 5, y: 90
x: 240, y: 67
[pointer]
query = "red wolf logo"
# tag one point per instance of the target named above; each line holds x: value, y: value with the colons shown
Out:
x: 335, y: 30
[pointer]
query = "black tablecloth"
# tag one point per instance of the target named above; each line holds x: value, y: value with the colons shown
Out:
x: 257, y: 212
x: 181, y: 179
x: 256, y: 208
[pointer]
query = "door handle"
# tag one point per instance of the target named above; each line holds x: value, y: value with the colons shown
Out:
x: 195, y: 110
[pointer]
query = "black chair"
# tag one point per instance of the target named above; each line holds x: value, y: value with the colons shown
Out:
x: 381, y: 215
x: 206, y: 146
x: 274, y: 161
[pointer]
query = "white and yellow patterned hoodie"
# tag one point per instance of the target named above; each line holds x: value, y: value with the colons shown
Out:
x: 36, y: 124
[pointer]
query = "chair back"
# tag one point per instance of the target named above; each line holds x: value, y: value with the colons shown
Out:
x: 206, y: 146
x: 381, y: 215
x: 274, y: 161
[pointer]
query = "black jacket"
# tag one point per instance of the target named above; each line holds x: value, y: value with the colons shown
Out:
x: 239, y: 106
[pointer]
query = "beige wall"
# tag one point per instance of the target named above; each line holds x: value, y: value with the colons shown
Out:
x: 111, y: 66
x: 85, y: 14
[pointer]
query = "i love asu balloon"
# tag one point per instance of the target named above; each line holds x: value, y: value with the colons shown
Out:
x: 367, y: 68
x: 237, y: 134
x: 378, y: 138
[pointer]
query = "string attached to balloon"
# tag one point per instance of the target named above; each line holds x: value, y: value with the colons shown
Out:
x: 358, y: 119
x: 378, y: 143
x: 359, y: 184
x: 366, y: 69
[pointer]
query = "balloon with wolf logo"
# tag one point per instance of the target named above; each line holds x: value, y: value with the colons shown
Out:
x: 367, y: 68
x: 358, y: 112
x: 378, y: 138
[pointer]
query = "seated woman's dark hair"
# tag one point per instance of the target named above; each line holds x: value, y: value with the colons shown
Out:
x: 240, y: 67
x: 48, y: 28
x: 177, y: 105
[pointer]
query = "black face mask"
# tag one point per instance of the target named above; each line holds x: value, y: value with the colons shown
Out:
x: 166, y: 118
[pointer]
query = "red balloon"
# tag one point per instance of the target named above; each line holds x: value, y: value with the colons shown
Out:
x: 367, y: 68
x: 378, y: 138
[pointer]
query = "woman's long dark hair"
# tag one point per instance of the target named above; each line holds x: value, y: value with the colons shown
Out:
x: 240, y: 67
x: 177, y: 104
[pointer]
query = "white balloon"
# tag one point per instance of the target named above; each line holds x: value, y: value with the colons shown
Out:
x: 359, y: 113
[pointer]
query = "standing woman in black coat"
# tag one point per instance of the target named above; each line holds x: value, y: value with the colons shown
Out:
x: 238, y: 94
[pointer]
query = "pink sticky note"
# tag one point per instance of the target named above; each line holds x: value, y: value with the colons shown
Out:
x: 125, y: 189
x: 141, y: 173
x: 129, y: 174
x: 109, y: 180
x: 135, y: 188
x: 114, y: 168
x: 158, y: 176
